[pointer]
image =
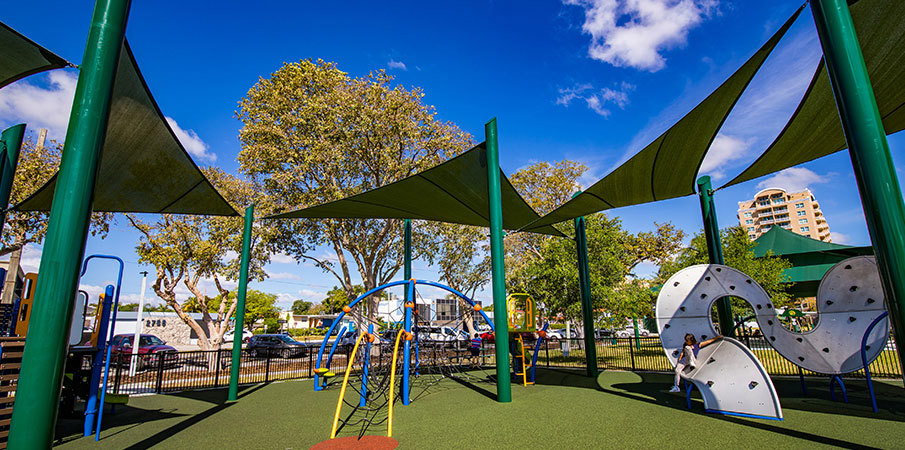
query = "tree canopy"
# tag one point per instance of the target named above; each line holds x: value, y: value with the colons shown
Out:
x: 312, y: 134
x: 613, y: 253
x: 188, y: 249
x: 738, y: 252
x: 301, y: 307
x: 337, y: 298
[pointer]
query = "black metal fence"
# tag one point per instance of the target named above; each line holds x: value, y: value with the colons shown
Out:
x: 183, y: 371
x: 646, y: 354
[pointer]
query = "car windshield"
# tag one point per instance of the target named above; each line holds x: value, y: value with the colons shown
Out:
x: 149, y: 340
x: 288, y: 339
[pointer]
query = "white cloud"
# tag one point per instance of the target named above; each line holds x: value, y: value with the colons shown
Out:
x: 793, y: 179
x: 282, y: 258
x: 840, y: 238
x: 192, y: 143
x: 312, y: 295
x: 632, y: 33
x: 619, y: 97
x: 724, y: 150
x: 40, y: 106
x: 594, y: 105
x: 566, y: 95
x: 31, y: 258
x: 397, y: 65
x: 284, y: 276
x: 596, y: 100
x: 284, y: 300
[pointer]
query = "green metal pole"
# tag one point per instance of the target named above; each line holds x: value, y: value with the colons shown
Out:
x: 878, y: 184
x: 714, y: 249
x: 498, y: 268
x: 584, y: 285
x: 10, y: 143
x: 637, y: 333
x: 239, y: 327
x: 38, y: 391
x: 407, y: 265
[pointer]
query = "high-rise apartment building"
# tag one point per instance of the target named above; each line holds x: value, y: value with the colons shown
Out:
x: 798, y: 212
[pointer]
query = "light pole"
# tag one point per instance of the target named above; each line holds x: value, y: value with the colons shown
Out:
x: 136, y: 341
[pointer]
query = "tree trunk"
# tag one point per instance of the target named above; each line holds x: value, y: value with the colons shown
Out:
x: 12, y: 273
x: 468, y: 314
x: 203, y: 341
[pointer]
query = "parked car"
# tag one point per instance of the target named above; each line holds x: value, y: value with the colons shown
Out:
x: 630, y: 332
x: 246, y: 335
x: 150, y: 349
x: 442, y: 334
x: 604, y: 333
x: 275, y: 345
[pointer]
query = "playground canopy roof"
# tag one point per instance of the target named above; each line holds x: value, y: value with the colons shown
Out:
x: 810, y: 258
x: 667, y: 167
x: 814, y: 129
x: 143, y: 168
x: 454, y: 191
x: 21, y: 57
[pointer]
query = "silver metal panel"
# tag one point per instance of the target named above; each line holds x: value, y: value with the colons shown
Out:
x: 732, y: 380
x: 684, y: 302
x: 849, y: 298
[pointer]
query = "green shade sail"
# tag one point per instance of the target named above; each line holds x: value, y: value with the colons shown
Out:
x: 810, y: 258
x: 454, y: 191
x: 667, y: 167
x: 814, y: 129
x: 143, y: 168
x: 20, y: 57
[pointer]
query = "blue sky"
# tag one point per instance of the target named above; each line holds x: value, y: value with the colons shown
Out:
x: 588, y: 80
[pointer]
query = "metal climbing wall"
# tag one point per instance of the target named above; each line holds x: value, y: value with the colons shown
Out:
x: 849, y: 298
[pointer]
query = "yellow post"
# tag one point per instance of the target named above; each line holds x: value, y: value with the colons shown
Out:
x: 342, y: 391
x: 393, y: 383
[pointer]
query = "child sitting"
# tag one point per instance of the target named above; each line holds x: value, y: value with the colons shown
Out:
x: 688, y: 355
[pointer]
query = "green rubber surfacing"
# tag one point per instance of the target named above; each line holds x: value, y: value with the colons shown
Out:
x: 563, y: 410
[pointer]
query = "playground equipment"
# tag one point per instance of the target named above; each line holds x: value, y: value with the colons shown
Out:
x: 522, y: 318
x: 107, y: 307
x: 95, y: 347
x: 374, y: 362
x: 849, y: 298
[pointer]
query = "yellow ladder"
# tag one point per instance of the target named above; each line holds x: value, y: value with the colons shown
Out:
x: 523, y: 358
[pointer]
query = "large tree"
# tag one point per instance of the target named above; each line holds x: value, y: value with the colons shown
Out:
x: 258, y: 306
x: 613, y: 255
x: 544, y: 186
x: 187, y: 249
x: 337, y: 297
x: 300, y: 307
x: 738, y: 252
x: 38, y: 161
x: 312, y: 134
